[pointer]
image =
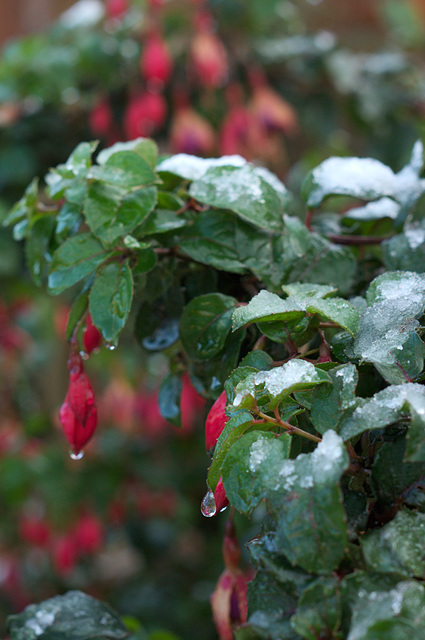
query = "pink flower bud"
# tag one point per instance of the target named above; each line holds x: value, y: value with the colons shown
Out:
x: 145, y: 114
x: 215, y: 422
x: 220, y: 497
x: 155, y: 63
x: 92, y: 338
x: 191, y: 133
x: 209, y: 59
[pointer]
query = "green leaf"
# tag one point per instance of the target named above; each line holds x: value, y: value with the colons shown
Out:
x: 169, y: 398
x: 364, y: 178
x: 279, y: 382
x: 144, y: 147
x: 73, y: 615
x: 406, y: 251
x: 307, y: 497
x: 330, y: 402
x: 395, y: 480
x: 77, y: 311
x: 26, y: 207
x: 76, y: 258
x: 318, y: 612
x: 268, y: 307
x: 126, y: 169
x: 387, y: 335
x: 384, y: 408
x: 235, y: 427
x: 392, y: 614
x: 205, y: 325
x: 37, y: 252
x: 251, y: 467
x: 301, y: 494
x: 110, y: 299
x: 244, y: 190
x: 271, y: 605
x: 398, y: 546
x: 211, y: 240
x: 192, y: 168
x: 112, y: 212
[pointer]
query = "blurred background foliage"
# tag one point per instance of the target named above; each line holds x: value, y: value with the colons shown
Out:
x: 285, y: 84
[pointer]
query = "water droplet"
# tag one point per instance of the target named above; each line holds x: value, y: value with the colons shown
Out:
x: 84, y: 355
x: 76, y: 456
x: 110, y: 346
x: 208, y: 506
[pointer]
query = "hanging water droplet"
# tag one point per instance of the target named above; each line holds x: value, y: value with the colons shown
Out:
x: 208, y: 506
x: 76, y: 456
x: 110, y: 346
x: 84, y: 355
x: 224, y: 508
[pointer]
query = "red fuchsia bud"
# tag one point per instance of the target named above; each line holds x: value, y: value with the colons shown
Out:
x: 80, y: 394
x: 156, y: 64
x: 191, y: 404
x: 101, y: 120
x: 34, y: 530
x: 145, y: 114
x: 64, y: 554
x: 116, y: 8
x: 273, y: 112
x: 215, y: 422
x: 229, y: 600
x: 76, y: 433
x: 220, y: 497
x: 92, y: 338
x: 191, y: 133
x: 209, y: 59
x: 88, y: 533
x: 241, y: 133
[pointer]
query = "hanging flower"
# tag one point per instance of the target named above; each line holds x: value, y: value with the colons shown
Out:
x: 156, y: 63
x: 144, y: 115
x: 229, y: 600
x: 215, y: 422
x: 78, y: 414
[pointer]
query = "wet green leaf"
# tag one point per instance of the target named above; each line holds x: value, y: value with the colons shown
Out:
x: 205, y: 324
x: 76, y: 258
x: 110, y: 299
x: 74, y: 614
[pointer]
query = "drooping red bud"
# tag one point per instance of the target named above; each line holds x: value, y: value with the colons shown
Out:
x: 273, y: 111
x: 191, y: 133
x: 89, y: 533
x: 101, y: 119
x: 80, y: 397
x: 78, y: 414
x: 229, y: 600
x: 156, y: 64
x: 92, y: 337
x: 76, y: 433
x: 209, y: 59
x: 145, y: 114
x: 215, y: 422
x: 220, y: 498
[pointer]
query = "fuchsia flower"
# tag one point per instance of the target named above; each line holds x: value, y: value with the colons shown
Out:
x: 155, y: 63
x: 145, y: 114
x: 92, y: 338
x: 229, y: 600
x: 215, y: 422
x: 78, y: 414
